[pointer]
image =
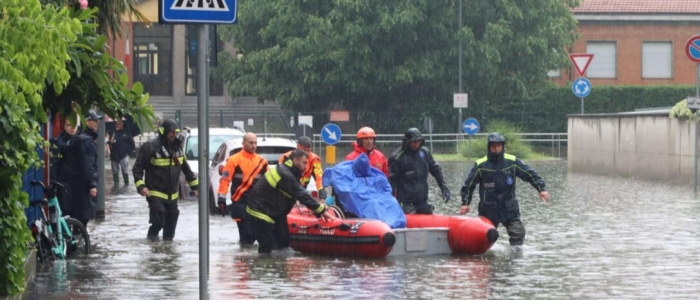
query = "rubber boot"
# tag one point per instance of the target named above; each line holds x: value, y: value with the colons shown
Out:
x: 126, y: 179
x: 115, y: 188
x: 171, y: 217
x: 156, y: 218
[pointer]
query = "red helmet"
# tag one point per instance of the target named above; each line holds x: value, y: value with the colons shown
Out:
x: 366, y: 132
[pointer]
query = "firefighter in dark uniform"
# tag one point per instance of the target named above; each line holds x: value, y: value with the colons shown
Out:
x: 241, y: 172
x: 495, y: 173
x: 409, y: 167
x: 157, y: 177
x: 274, y: 197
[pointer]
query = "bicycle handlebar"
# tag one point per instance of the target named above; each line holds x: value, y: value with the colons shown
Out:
x: 36, y: 182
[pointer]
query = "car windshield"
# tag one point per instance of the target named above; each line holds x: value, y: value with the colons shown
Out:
x: 192, y: 147
x: 270, y: 153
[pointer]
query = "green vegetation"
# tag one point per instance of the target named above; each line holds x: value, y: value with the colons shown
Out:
x: 681, y: 111
x: 394, y: 62
x: 52, y: 59
x: 476, y: 148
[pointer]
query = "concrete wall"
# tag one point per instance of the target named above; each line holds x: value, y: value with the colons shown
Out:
x: 644, y: 145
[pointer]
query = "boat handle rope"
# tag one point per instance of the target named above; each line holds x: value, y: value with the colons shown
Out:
x: 341, y: 227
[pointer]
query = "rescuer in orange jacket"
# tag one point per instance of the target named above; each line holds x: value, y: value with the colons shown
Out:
x: 365, y: 144
x: 313, y: 167
x: 242, y: 171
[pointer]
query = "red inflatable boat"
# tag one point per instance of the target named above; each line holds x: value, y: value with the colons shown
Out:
x: 340, y: 237
x: 424, y: 235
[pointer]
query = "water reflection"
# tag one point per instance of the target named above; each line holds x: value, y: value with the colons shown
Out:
x: 600, y: 237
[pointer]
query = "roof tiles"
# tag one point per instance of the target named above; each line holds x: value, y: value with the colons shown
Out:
x: 639, y: 6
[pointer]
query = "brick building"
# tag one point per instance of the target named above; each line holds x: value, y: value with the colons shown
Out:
x: 636, y: 42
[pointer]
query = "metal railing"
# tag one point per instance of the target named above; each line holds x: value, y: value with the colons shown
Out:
x: 443, y: 143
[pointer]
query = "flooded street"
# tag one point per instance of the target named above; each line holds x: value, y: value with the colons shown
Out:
x: 600, y: 237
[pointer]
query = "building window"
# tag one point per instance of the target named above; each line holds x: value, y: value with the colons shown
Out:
x: 152, y: 60
x: 604, y: 63
x: 216, y: 87
x: 657, y: 60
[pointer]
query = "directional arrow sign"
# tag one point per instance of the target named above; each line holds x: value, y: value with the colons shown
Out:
x: 581, y: 62
x: 470, y: 126
x: 330, y: 133
x: 581, y: 87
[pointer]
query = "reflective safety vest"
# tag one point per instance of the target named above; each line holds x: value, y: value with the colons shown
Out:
x: 313, y: 168
x: 241, y: 172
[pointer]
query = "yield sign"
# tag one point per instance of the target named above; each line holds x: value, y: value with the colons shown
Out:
x: 581, y: 62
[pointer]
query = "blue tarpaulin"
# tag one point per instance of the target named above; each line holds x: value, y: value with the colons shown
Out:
x: 364, y: 191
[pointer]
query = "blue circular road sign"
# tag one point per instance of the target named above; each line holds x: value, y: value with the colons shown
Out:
x: 470, y: 126
x: 692, y: 48
x: 581, y: 87
x: 330, y: 134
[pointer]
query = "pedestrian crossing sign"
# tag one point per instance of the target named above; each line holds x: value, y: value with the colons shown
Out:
x: 197, y: 11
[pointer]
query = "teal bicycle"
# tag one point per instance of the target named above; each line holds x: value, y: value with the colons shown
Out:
x: 56, y: 236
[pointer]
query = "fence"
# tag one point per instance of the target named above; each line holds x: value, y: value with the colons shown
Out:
x: 552, y: 144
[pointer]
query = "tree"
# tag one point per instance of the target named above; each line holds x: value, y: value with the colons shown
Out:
x: 34, y: 46
x: 394, y: 55
x: 52, y: 58
x: 109, y: 13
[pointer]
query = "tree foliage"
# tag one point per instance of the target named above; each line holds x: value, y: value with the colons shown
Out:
x: 52, y: 58
x: 394, y: 55
x: 97, y: 78
x: 34, y: 46
x: 109, y: 13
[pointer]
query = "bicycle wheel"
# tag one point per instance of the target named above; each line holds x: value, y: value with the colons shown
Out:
x: 43, y: 247
x: 79, y: 242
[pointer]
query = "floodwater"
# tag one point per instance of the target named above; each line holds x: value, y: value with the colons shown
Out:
x: 600, y: 238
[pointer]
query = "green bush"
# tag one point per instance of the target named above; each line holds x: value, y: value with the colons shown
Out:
x: 681, y: 111
x: 476, y: 148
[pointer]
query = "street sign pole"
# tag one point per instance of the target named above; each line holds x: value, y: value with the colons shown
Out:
x: 692, y: 50
x: 203, y: 139
x: 199, y: 12
x: 459, y: 83
x: 582, y: 105
x: 697, y: 127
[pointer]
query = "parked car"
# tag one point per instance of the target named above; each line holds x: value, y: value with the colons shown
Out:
x: 190, y: 146
x: 270, y: 148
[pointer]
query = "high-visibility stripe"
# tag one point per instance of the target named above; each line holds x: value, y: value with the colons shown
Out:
x: 140, y: 182
x: 194, y: 182
x: 245, y: 186
x: 164, y: 195
x: 481, y: 160
x: 273, y: 178
x: 509, y: 156
x: 166, y: 162
x: 259, y: 215
x: 320, y: 209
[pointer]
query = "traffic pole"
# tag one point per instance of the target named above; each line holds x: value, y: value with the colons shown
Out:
x: 203, y: 139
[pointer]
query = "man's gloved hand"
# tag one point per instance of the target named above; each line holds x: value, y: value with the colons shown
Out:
x: 222, y: 205
x: 446, y: 194
x: 322, y: 194
x: 464, y: 196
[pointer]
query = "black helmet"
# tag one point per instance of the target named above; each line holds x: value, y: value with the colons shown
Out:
x: 168, y: 126
x: 496, y: 138
x: 413, y: 134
